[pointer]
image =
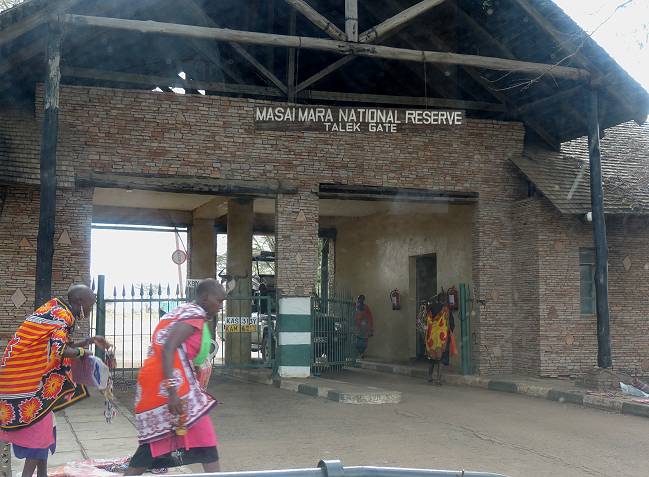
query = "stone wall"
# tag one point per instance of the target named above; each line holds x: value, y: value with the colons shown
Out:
x: 159, y: 134
x: 18, y: 232
x: 526, y: 264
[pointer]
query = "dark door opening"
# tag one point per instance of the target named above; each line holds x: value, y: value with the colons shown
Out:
x: 426, y: 284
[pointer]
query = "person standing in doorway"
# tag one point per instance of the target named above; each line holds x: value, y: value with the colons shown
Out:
x: 36, y: 376
x: 364, y: 325
x: 171, y: 410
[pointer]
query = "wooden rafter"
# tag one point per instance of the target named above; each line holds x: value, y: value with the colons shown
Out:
x: 339, y: 63
x: 506, y: 52
x: 27, y: 53
x: 174, y: 82
x: 150, y: 81
x: 265, y: 72
x: 550, y: 100
x: 397, y: 21
x: 382, y: 31
x: 403, y: 100
x: 351, y: 20
x: 317, y: 19
x: 20, y: 28
x: 572, y: 48
x: 339, y: 47
x: 503, y: 98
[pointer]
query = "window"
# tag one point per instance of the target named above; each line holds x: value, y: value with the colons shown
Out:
x: 587, y: 280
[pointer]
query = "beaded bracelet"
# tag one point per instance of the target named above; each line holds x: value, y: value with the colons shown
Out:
x: 170, y: 383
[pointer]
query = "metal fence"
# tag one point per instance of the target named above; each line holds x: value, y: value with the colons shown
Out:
x: 334, y: 468
x: 127, y: 317
x: 332, y: 333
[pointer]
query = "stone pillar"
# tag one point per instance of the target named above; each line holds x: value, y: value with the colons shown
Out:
x: 202, y: 245
x: 296, y: 267
x: 239, y: 269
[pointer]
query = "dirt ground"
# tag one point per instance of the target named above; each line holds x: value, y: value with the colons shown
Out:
x: 262, y: 427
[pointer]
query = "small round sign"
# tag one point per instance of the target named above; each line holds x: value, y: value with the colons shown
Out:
x: 179, y: 257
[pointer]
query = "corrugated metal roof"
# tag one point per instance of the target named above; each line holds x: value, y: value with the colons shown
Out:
x: 564, y: 177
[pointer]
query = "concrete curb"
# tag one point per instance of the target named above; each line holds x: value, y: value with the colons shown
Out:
x: 321, y: 390
x: 509, y: 386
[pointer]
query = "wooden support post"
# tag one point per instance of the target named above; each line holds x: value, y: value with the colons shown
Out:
x: 599, y: 234
x: 49, y: 139
x: 291, y: 79
x: 351, y: 20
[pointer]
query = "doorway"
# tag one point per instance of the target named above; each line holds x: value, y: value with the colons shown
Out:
x: 426, y: 288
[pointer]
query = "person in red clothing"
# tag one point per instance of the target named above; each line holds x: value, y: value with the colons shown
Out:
x: 364, y: 325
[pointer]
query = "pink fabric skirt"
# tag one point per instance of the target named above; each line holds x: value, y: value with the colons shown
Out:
x: 36, y: 436
x: 201, y: 434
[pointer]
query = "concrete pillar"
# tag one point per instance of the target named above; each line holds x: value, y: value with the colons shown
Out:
x: 239, y: 269
x: 202, y: 262
x: 297, y: 217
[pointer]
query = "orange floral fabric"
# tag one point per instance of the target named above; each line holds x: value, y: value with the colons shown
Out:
x: 34, y: 377
x: 438, y: 333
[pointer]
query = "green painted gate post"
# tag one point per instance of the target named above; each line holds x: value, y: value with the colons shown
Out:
x: 294, y: 338
x: 464, y: 326
x: 100, y: 325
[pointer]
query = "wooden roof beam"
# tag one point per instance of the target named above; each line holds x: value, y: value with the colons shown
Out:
x: 265, y: 72
x: 332, y: 46
x: 402, y: 100
x: 174, y: 82
x: 32, y: 21
x: 150, y: 81
x: 324, y: 72
x: 351, y: 20
x: 317, y: 19
x: 376, y: 32
x: 550, y: 100
x: 572, y: 48
x: 25, y: 54
x: 373, y: 35
x: 553, y: 142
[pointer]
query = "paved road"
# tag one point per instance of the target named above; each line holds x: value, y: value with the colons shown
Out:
x: 434, y: 427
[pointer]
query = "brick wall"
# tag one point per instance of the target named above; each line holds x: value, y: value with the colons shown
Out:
x: 18, y: 232
x: 525, y: 293
x: 628, y: 242
x: 139, y: 132
x: 551, y: 336
x: 297, y: 243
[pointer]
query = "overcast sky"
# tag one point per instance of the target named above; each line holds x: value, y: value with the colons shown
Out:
x: 621, y: 32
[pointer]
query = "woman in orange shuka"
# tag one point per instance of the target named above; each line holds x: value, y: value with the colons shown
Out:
x: 171, y: 409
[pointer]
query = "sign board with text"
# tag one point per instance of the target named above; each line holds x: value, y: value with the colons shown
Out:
x: 240, y: 324
x: 353, y: 120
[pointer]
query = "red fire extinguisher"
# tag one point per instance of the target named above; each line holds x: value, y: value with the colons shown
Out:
x: 452, y: 298
x: 395, y: 299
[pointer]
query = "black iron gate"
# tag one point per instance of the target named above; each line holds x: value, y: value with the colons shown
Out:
x: 333, y: 334
x: 244, y: 330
